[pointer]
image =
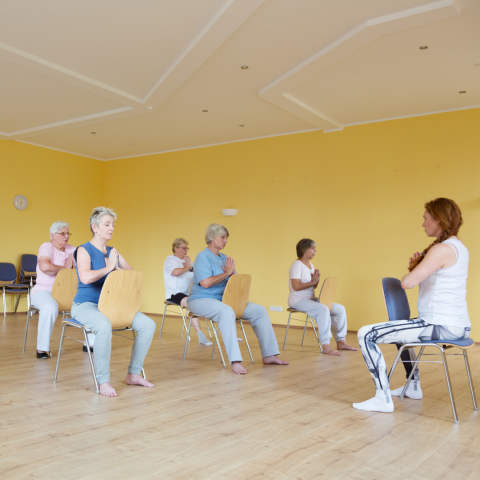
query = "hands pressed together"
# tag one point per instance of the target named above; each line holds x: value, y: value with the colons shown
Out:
x: 229, y: 267
x: 70, y: 262
x: 414, y: 257
x: 112, y: 260
x: 316, y: 276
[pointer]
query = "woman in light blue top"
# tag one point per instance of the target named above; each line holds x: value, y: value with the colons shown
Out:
x: 211, y: 274
x: 95, y: 260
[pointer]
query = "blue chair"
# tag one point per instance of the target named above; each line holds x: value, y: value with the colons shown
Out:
x: 397, y: 306
x: 8, y: 282
x: 28, y: 269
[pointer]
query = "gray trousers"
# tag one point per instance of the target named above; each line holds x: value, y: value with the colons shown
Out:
x: 48, y: 307
x: 325, y: 319
x: 87, y: 314
x: 225, y: 317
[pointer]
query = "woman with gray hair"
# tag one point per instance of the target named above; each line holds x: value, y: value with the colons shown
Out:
x: 210, y: 277
x: 53, y: 256
x: 95, y: 260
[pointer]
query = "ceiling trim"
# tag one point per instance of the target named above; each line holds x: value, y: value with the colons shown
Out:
x: 221, y: 26
x: 277, y: 91
x: 252, y: 138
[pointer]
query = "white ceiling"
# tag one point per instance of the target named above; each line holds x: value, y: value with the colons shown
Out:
x: 140, y: 73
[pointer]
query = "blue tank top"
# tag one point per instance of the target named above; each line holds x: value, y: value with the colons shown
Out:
x: 91, y: 292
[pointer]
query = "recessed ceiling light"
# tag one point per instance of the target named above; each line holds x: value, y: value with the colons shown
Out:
x: 423, y: 48
x: 204, y: 111
x: 93, y: 133
x: 149, y: 108
x: 244, y: 67
x: 241, y: 125
x: 462, y: 91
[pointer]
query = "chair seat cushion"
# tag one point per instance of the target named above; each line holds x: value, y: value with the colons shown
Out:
x: 168, y: 302
x: 295, y: 310
x: 467, y: 342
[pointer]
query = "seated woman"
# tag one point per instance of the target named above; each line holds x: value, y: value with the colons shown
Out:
x: 53, y: 256
x: 210, y: 277
x: 178, y: 274
x: 95, y: 260
x: 441, y: 272
x: 304, y: 280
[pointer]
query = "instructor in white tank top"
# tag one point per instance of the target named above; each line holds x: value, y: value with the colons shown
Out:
x: 441, y: 272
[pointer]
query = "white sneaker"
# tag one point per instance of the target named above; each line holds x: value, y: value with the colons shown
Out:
x: 414, y: 391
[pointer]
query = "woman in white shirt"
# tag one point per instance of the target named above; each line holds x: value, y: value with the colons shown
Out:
x: 178, y: 275
x: 441, y: 272
x: 304, y: 280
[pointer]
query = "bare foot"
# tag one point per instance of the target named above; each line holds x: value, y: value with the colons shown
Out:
x: 343, y: 345
x: 107, y: 390
x: 274, y: 360
x: 133, y: 379
x: 238, y: 368
x: 329, y: 350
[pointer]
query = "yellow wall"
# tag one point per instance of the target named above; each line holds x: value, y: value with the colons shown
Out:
x: 58, y: 186
x: 359, y: 193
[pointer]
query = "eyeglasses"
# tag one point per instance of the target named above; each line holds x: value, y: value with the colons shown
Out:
x: 64, y: 234
x: 184, y: 248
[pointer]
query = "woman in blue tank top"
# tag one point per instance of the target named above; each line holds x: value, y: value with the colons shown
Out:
x: 95, y: 260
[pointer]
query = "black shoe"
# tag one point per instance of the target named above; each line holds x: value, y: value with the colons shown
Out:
x: 42, y: 355
x: 85, y: 349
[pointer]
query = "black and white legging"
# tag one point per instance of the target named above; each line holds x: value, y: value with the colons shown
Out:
x: 401, y: 331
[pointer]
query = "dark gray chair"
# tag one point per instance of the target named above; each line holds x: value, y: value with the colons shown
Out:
x: 8, y: 283
x: 396, y: 303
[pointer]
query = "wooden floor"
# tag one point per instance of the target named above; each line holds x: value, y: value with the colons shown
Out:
x: 204, y: 422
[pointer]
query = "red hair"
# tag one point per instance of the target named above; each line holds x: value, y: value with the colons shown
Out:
x: 449, y: 216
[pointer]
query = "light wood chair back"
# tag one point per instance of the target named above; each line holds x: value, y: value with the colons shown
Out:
x: 65, y: 288
x: 237, y: 292
x: 121, y: 297
x: 327, y: 293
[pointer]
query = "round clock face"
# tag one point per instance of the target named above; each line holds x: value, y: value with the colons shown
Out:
x: 20, y: 202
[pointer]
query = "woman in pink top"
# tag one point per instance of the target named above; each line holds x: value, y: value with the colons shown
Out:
x: 52, y: 257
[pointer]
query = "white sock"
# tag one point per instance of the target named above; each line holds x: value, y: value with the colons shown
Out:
x: 413, y: 391
x: 239, y: 339
x: 381, y: 402
x: 203, y: 339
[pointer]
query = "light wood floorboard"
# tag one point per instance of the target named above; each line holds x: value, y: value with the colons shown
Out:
x: 203, y: 422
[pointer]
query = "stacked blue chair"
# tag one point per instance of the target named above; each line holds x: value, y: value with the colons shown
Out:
x: 396, y: 302
x: 8, y: 283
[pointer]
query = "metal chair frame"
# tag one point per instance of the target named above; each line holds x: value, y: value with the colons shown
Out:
x: 308, y: 317
x: 33, y: 311
x: 442, y: 346
x: 217, y: 341
x: 184, y: 313
x: 74, y: 324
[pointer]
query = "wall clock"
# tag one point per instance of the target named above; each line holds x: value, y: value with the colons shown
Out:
x: 20, y: 202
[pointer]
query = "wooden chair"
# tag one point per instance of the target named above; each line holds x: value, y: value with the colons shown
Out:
x: 327, y: 298
x: 396, y: 304
x: 236, y: 294
x: 119, y: 301
x: 63, y: 291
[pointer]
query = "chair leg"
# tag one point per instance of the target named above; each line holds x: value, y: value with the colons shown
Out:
x: 186, y: 340
x: 4, y: 305
x: 214, y: 343
x: 208, y: 328
x: 447, y: 376
x: 16, y: 304
x: 395, y: 362
x: 305, y: 329
x: 91, y: 360
x: 246, y: 341
x: 163, y: 319
x: 316, y: 335
x: 184, y: 322
x: 472, y: 391
x: 26, y: 330
x: 409, y: 379
x: 286, y: 333
x: 59, y: 353
x: 217, y: 341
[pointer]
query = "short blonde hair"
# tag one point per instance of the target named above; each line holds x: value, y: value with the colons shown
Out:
x: 177, y: 242
x: 97, y: 214
x: 213, y: 231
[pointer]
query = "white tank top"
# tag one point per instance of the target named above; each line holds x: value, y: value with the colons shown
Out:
x: 442, y: 295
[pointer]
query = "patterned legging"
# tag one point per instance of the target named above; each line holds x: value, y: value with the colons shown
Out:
x: 400, y: 331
